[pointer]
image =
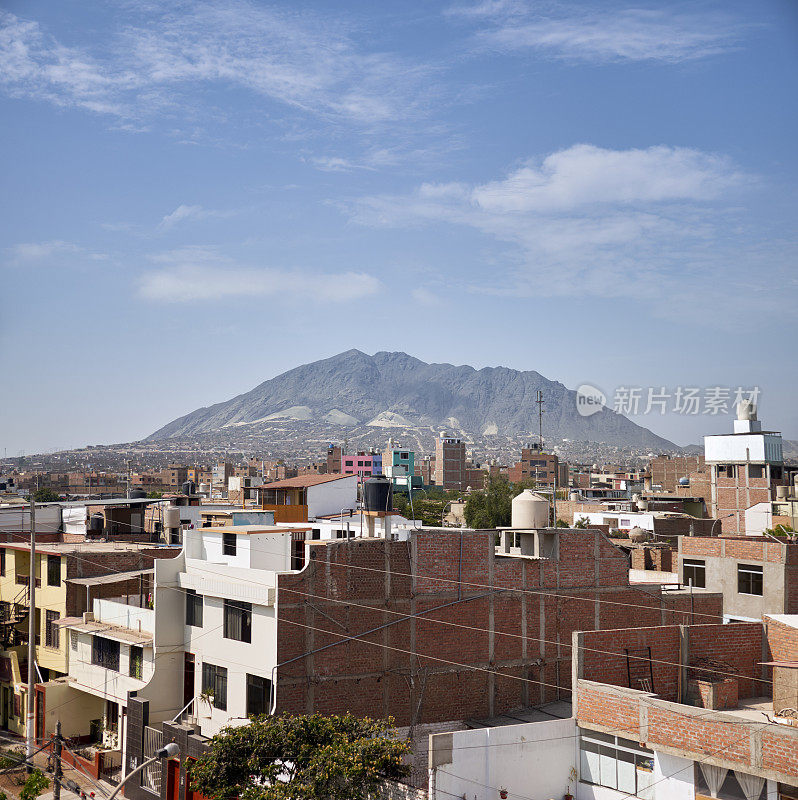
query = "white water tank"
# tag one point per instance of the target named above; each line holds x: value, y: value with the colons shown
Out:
x: 171, y: 517
x: 782, y: 492
x: 573, y: 496
x: 530, y: 511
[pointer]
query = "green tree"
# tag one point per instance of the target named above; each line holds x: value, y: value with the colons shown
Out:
x: 46, y: 495
x: 492, y: 507
x: 155, y: 495
x: 35, y: 784
x: 310, y: 757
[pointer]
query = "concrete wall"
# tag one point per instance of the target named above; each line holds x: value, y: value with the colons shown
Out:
x: 529, y: 760
x: 332, y: 496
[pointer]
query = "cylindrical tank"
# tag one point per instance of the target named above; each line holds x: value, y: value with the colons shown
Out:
x: 171, y: 517
x: 137, y: 494
x: 96, y: 523
x: 573, y: 496
x: 378, y: 494
x: 642, y: 505
x: 529, y: 511
x: 639, y: 535
x: 189, y: 487
x: 782, y: 492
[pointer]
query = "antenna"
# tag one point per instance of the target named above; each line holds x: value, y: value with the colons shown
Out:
x: 539, y: 400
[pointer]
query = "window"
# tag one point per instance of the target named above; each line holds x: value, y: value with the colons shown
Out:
x: 258, y: 691
x: 339, y: 534
x: 616, y: 763
x: 136, y: 661
x: 2, y: 561
x: 214, y: 685
x: 756, y: 471
x: 105, y: 653
x: 238, y: 620
x: 694, y: 570
x: 193, y: 608
x: 51, y: 631
x: 228, y: 544
x: 749, y: 579
x: 53, y: 570
x: 73, y: 640
x: 298, y: 553
x: 315, y: 533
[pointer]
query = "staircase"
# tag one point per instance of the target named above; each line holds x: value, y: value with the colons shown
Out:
x: 11, y: 615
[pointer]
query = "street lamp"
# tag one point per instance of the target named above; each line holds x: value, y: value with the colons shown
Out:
x: 712, y: 529
x: 170, y: 750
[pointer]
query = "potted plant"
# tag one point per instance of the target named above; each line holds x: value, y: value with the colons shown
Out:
x: 503, y: 793
x: 571, y: 779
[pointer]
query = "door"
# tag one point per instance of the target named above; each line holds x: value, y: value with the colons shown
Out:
x: 39, y: 729
x: 188, y: 679
x: 4, y: 703
x: 173, y: 779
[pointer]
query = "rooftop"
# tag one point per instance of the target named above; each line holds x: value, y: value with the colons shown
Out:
x: 303, y: 481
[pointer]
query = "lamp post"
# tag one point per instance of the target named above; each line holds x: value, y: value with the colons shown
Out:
x: 712, y: 529
x: 170, y: 750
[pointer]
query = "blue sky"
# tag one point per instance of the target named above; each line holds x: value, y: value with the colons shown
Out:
x: 199, y: 196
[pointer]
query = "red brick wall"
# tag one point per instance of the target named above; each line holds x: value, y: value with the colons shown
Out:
x: 421, y: 671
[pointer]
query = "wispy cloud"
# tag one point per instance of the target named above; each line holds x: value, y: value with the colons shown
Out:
x: 310, y: 63
x: 199, y: 274
x: 51, y: 251
x: 582, y: 221
x: 601, y: 33
x: 184, y: 213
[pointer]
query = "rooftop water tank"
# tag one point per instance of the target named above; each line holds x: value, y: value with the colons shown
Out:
x: 171, y: 517
x: 189, y: 487
x: 530, y: 510
x: 782, y: 492
x: 137, y: 494
x: 639, y: 535
x: 96, y: 523
x: 573, y: 496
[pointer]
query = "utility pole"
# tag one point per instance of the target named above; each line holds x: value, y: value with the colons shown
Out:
x: 31, y: 711
x: 57, y: 772
x: 539, y: 401
x: 128, y: 478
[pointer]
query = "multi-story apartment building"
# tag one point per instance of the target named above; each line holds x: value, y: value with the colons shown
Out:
x: 450, y: 463
x: 756, y: 575
x: 334, y: 453
x: 398, y: 464
x: 746, y: 467
x: 542, y: 468
x: 363, y: 464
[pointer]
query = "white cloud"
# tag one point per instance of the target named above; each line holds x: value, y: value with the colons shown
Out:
x: 581, y: 221
x: 185, y: 213
x: 37, y: 251
x: 197, y: 274
x: 309, y: 62
x: 602, y: 34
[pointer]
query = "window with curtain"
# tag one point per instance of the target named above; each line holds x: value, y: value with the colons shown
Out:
x: 214, y: 684
x: 616, y: 763
x: 238, y: 620
x: 193, y: 608
x: 728, y: 784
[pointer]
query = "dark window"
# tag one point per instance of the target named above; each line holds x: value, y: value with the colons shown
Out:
x: 340, y: 534
x: 238, y: 620
x: 756, y: 471
x: 298, y: 554
x: 136, y: 661
x: 214, y: 684
x: 749, y: 579
x: 193, y: 608
x: 53, y: 570
x: 2, y: 561
x: 105, y: 653
x: 315, y: 533
x: 228, y: 544
x: 257, y: 695
x: 696, y: 571
x: 51, y: 630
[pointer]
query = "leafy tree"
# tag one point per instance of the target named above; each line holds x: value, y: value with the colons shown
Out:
x: 46, y: 495
x: 492, y: 507
x: 310, y: 757
x: 155, y: 495
x: 581, y: 523
x: 35, y: 784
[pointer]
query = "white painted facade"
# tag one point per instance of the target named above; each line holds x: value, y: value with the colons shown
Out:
x: 619, y: 520
x: 331, y: 496
x: 544, y: 760
x: 758, y: 518
x: 739, y: 448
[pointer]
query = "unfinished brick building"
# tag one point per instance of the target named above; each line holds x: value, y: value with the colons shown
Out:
x: 360, y: 628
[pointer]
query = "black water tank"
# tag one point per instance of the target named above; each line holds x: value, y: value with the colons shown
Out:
x: 137, y: 494
x: 189, y: 487
x: 96, y: 523
x: 378, y: 494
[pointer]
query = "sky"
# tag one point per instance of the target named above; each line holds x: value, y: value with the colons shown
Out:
x: 200, y: 195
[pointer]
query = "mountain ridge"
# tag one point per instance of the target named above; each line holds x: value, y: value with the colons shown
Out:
x: 392, y: 385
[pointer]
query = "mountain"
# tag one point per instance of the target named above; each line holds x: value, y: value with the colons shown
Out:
x: 398, y: 392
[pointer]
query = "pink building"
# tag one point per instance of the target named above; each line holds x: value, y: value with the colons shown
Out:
x: 363, y: 464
